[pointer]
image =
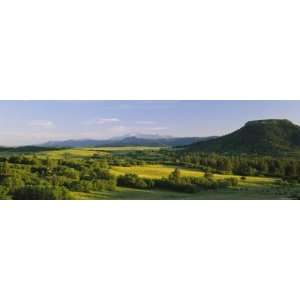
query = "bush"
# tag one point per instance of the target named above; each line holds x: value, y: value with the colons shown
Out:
x: 133, y: 181
x: 81, y: 186
x: 100, y: 173
x: 41, y: 193
x: 208, y: 175
x: 68, y: 172
x: 12, y: 182
x: 183, y: 187
x: 233, y: 181
x: 3, y: 192
x: 101, y: 185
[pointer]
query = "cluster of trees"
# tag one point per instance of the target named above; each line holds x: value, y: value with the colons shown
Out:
x: 176, y: 182
x: 141, y: 157
x: 244, y: 165
x: 41, y: 192
x: 38, y: 177
x: 45, y: 178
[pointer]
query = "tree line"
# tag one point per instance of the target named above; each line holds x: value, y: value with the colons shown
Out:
x: 244, y: 165
x: 24, y: 177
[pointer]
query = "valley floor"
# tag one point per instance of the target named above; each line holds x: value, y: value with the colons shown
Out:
x: 147, y: 163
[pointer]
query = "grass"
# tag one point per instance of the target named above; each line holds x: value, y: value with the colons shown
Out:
x: 133, y: 148
x: 226, y: 194
x: 74, y: 153
x: 89, y: 152
x: 159, y: 171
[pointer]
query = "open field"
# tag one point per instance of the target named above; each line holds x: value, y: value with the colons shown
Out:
x: 159, y: 171
x: 73, y: 153
x: 133, y: 148
x: 78, y: 152
x: 89, y: 152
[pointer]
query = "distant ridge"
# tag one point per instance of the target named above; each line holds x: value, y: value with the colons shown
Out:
x: 140, y: 140
x: 269, y: 137
x: 25, y: 149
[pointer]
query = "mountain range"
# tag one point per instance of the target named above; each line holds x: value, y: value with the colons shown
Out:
x: 134, y: 140
x: 261, y: 137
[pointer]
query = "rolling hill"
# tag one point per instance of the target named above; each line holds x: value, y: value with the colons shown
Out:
x: 265, y: 137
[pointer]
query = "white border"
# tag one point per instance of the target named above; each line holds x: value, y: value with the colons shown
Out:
x: 149, y: 250
x: 157, y: 50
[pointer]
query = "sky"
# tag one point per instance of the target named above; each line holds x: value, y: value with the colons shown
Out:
x: 34, y: 122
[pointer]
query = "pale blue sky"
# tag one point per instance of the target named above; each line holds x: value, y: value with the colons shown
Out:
x: 30, y: 122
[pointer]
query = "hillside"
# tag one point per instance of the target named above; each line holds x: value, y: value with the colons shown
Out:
x: 267, y: 137
x: 24, y: 149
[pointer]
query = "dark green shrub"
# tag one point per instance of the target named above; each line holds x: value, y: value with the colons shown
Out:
x: 133, y: 181
x: 41, y: 193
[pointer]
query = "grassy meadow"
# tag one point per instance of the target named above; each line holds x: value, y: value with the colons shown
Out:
x: 90, y: 152
x: 159, y: 171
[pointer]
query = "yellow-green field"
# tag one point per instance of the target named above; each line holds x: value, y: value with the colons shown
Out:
x: 159, y: 171
x: 89, y: 152
x: 133, y: 148
x: 74, y: 153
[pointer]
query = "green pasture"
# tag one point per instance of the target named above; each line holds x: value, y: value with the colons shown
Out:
x: 89, y: 152
x: 72, y: 153
x: 159, y: 171
x: 132, y: 148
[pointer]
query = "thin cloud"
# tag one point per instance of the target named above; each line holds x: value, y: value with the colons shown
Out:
x: 41, y: 123
x: 101, y: 121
